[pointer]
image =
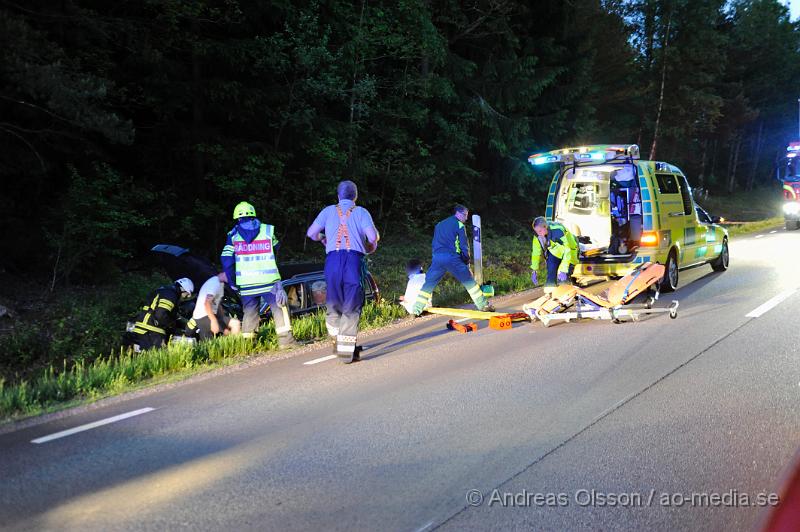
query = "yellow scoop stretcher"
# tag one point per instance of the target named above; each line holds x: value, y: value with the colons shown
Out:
x: 612, y: 304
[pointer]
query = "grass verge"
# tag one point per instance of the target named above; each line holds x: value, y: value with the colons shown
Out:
x: 753, y: 227
x: 125, y: 371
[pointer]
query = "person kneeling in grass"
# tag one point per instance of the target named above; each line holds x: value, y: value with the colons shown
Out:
x: 416, y: 279
x: 209, y: 318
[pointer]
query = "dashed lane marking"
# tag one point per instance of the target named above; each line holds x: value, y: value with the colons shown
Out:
x: 93, y: 425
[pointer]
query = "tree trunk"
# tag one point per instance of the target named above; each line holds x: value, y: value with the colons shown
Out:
x: 661, y: 92
x: 197, y: 109
x: 701, y: 179
x: 713, y: 171
x: 356, y: 61
x: 754, y: 168
x: 734, y: 158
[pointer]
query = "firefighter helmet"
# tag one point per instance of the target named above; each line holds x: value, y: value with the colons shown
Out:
x: 243, y: 210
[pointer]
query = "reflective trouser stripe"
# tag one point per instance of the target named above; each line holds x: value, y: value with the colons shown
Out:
x: 345, y: 344
x: 332, y: 331
x: 249, y: 335
x: 423, y: 297
x: 286, y: 326
x: 149, y: 328
x: 476, y: 294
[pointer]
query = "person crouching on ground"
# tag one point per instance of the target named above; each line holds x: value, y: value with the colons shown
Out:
x: 555, y: 250
x: 209, y: 318
x: 416, y: 279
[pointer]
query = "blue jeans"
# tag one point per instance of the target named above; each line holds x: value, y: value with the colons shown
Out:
x: 553, y: 263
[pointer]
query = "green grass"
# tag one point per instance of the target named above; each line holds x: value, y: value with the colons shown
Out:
x: 754, y: 206
x: 753, y: 227
x: 124, y: 370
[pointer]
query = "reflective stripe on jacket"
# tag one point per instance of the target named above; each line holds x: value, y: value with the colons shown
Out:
x: 159, y: 314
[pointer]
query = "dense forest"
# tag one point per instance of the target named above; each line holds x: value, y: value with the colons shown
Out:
x: 124, y: 124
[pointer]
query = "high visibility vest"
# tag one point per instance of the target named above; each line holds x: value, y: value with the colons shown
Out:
x: 255, y: 261
x: 560, y: 243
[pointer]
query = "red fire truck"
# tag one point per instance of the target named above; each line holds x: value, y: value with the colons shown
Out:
x: 789, y: 176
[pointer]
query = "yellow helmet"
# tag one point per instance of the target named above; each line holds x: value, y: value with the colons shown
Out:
x: 243, y: 210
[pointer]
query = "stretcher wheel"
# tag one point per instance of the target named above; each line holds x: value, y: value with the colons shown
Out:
x: 649, y: 303
x: 673, y: 313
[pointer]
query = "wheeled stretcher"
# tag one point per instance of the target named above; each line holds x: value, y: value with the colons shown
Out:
x: 611, y: 304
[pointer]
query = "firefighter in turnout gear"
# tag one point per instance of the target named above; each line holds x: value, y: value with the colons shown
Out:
x: 249, y: 262
x: 157, y: 319
x: 450, y: 248
x: 555, y: 250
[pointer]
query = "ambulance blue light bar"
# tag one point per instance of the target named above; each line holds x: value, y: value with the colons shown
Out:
x: 594, y: 153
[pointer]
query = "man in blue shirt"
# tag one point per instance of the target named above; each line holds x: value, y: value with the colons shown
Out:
x: 348, y: 234
x: 450, y: 248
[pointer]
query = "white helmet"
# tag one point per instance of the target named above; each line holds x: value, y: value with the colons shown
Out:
x: 186, y: 285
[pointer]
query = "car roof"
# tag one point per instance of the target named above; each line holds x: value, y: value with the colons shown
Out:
x: 181, y: 262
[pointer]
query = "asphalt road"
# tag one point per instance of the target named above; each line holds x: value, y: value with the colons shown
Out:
x: 578, y: 426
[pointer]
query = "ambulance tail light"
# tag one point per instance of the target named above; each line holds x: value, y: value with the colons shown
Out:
x: 649, y: 238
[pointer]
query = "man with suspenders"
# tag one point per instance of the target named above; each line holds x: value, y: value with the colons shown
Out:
x: 348, y: 234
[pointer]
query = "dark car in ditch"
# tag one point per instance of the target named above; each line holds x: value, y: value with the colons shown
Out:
x: 304, y: 283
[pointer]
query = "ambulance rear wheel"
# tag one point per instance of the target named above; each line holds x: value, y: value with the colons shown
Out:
x: 669, y: 282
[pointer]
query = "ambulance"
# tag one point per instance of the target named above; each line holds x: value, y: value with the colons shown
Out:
x: 625, y: 212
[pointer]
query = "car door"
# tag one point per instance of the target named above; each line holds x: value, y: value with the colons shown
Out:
x: 694, y: 232
x: 711, y: 244
x: 672, y: 215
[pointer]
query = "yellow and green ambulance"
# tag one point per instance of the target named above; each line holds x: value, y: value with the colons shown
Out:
x: 625, y: 211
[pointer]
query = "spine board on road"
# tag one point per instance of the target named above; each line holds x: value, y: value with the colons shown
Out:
x: 613, y: 304
x: 463, y: 313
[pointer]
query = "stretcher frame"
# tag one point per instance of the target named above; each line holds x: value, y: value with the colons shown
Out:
x: 616, y: 314
x: 590, y: 306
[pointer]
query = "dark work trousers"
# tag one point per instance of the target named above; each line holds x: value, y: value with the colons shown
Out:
x: 553, y: 263
x: 441, y: 264
x: 344, y: 274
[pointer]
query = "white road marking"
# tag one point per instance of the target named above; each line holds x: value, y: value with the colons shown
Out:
x: 759, y: 236
x: 771, y: 303
x: 89, y: 426
x: 318, y: 360
x: 463, y: 320
x: 426, y: 527
x: 773, y: 231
